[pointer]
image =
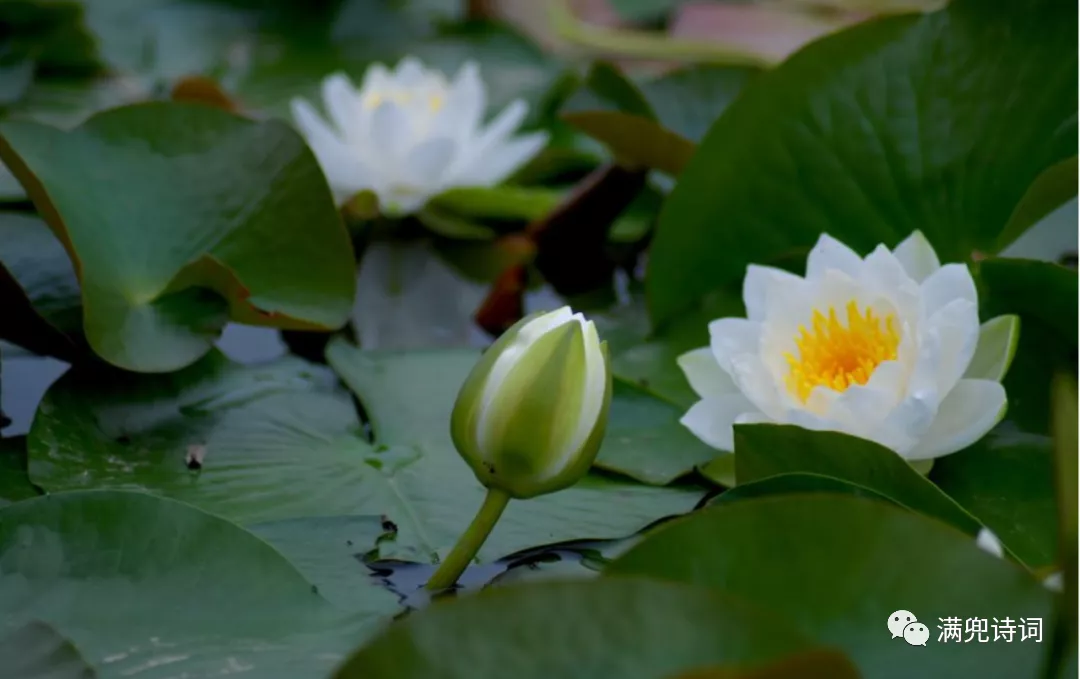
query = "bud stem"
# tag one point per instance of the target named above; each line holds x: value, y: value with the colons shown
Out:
x: 470, y: 541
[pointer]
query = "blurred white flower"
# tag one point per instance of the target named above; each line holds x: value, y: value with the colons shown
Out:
x: 409, y: 134
x: 880, y: 347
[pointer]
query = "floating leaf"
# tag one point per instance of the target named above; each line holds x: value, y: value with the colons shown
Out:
x: 764, y: 450
x: 1006, y: 481
x: 795, y: 483
x: 1051, y: 189
x: 1044, y: 296
x: 329, y: 552
x: 14, y: 479
x: 280, y: 444
x: 867, y: 135
x: 816, y: 664
x: 839, y: 566
x: 192, y: 217
x: 624, y: 628
x: 39, y: 293
x: 408, y: 398
x: 104, y: 568
x: 37, y: 651
x: 645, y: 440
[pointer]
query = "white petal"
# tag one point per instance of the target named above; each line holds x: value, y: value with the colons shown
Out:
x: 830, y: 253
x: 989, y: 543
x: 970, y: 410
x: 391, y: 135
x: 862, y: 409
x: 312, y: 127
x: 910, y: 420
x: 409, y: 72
x: 870, y: 402
x: 753, y: 379
x: 376, y: 77
x: 761, y: 283
x: 705, y: 375
x: 504, y: 124
x: 341, y: 101
x: 501, y: 161
x: 950, y: 282
x: 427, y: 163
x: 884, y: 271
x: 917, y: 256
x: 730, y: 337
x: 593, y: 402
x: 344, y: 170
x: 465, y: 104
x: 950, y: 338
x: 996, y: 348
x: 711, y: 419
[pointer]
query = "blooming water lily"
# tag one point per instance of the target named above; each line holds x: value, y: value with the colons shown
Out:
x: 882, y: 347
x: 410, y: 134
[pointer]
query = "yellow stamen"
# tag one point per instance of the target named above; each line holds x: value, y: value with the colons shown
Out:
x: 836, y: 356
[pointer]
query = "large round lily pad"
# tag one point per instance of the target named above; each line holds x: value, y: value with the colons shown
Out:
x: 180, y: 217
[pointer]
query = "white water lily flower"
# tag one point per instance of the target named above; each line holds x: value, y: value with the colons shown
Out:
x: 882, y: 347
x: 409, y: 134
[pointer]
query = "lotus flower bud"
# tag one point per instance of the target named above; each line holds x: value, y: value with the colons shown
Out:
x: 531, y: 416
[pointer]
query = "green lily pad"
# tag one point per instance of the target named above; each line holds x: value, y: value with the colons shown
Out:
x: 645, y: 441
x: 1044, y: 296
x: 1052, y: 189
x: 649, y: 361
x: 143, y: 584
x: 39, y: 292
x: 14, y: 479
x: 688, y: 100
x: 1064, y: 651
x: 654, y: 124
x: 277, y: 442
x: 328, y: 551
x: 635, y: 141
x: 870, y: 133
x: 838, y: 567
x: 764, y: 450
x: 1046, y: 292
x: 815, y: 664
x: 37, y: 651
x: 220, y: 218
x: 606, y: 87
x: 626, y: 628
x: 408, y: 398
x: 794, y: 483
x: 1006, y: 481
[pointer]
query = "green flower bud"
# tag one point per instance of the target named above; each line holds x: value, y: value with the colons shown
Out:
x: 531, y: 416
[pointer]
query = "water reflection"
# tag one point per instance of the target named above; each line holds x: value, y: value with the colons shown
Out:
x: 580, y: 559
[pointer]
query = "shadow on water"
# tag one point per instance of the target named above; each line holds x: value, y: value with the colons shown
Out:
x: 581, y: 559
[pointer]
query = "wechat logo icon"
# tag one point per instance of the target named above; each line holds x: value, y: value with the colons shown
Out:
x: 905, y: 625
